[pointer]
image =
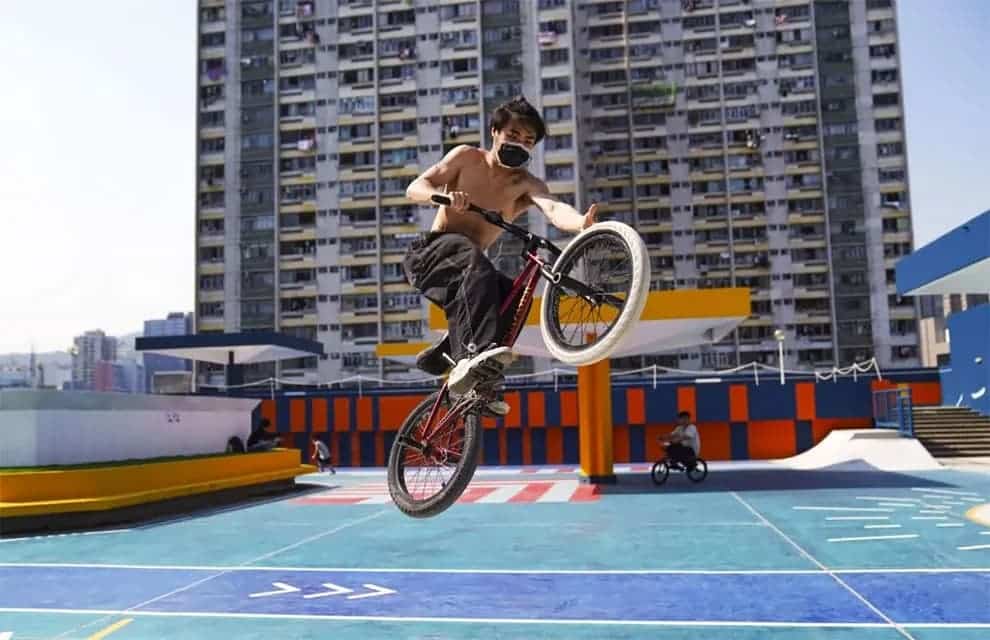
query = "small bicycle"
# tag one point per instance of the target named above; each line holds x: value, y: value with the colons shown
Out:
x: 696, y: 471
x: 596, y: 290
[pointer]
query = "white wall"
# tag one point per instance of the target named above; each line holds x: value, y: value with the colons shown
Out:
x: 55, y: 428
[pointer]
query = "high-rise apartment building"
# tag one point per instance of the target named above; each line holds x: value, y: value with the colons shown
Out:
x: 88, y: 350
x: 753, y: 143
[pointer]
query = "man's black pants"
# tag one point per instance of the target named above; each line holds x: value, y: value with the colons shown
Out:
x: 680, y: 453
x: 453, y: 273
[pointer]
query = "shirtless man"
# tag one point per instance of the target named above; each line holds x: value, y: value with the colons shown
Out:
x: 449, y: 265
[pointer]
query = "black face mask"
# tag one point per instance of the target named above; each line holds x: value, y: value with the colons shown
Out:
x: 512, y: 155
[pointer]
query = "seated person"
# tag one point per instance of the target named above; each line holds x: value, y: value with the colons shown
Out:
x: 684, y: 443
x: 261, y: 440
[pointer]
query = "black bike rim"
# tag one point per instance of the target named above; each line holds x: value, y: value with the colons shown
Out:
x: 615, y: 278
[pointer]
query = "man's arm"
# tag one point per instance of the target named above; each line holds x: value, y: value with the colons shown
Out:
x: 561, y: 215
x: 445, y: 172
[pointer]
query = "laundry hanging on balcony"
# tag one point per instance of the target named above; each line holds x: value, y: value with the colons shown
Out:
x: 654, y: 95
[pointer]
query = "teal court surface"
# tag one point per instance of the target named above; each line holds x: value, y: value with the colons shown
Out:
x: 751, y: 553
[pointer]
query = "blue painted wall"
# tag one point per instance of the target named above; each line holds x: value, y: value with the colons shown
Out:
x: 967, y: 380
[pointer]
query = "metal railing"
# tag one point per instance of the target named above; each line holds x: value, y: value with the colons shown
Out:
x: 892, y: 410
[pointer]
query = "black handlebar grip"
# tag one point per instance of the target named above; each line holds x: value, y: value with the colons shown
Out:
x: 439, y: 198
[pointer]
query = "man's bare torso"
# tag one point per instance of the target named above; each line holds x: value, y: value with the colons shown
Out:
x: 495, y: 189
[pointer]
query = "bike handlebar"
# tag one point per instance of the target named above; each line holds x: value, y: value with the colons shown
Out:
x: 493, y: 217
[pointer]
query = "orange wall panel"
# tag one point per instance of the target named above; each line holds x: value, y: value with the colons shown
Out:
x: 738, y: 403
x: 771, y: 439
x: 924, y: 393
x: 715, y: 440
x: 393, y: 410
x: 514, y: 418
x: 568, y: 408
x: 536, y: 401
x: 341, y: 414
x: 555, y: 445
x: 268, y: 411
x: 620, y: 443
x: 364, y: 414
x: 297, y: 415
x: 687, y: 401
x: 636, y: 406
x: 805, y: 400
x: 319, y: 414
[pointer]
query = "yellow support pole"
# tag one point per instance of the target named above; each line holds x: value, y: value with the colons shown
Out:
x: 595, y: 423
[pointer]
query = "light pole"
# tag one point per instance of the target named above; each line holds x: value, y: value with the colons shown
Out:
x: 779, y: 337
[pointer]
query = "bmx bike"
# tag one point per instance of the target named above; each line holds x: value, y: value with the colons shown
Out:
x: 596, y: 290
x: 696, y: 471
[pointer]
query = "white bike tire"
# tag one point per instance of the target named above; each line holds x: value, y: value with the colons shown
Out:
x: 631, y: 312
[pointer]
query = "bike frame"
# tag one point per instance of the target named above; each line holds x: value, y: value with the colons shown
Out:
x: 521, y: 295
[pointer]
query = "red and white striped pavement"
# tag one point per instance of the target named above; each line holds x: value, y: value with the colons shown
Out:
x: 479, y: 491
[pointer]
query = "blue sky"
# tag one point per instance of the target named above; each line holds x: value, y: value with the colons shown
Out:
x: 98, y: 147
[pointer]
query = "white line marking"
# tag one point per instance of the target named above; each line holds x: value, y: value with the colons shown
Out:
x: 951, y: 493
x: 560, y: 491
x: 385, y: 499
x: 973, y: 499
x: 881, y: 526
x: 899, y: 536
x: 638, y: 623
x: 875, y: 510
x: 929, y: 518
x: 887, y: 498
x: 954, y: 503
x: 896, y: 504
x: 950, y: 524
x: 741, y: 572
x: 929, y: 511
x: 820, y: 565
x: 985, y: 533
x: 974, y: 546
x: 64, y: 535
x: 858, y: 518
x: 502, y: 494
x: 280, y: 588
x: 219, y: 573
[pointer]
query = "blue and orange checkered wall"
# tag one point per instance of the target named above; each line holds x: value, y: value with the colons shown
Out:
x: 737, y: 420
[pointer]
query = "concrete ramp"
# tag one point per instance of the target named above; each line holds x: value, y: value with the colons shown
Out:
x: 880, y: 448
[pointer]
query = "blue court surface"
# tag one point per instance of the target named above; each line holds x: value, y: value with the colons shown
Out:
x: 532, y: 553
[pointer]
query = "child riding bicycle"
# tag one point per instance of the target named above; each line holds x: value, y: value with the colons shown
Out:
x: 448, y: 264
x: 684, y: 442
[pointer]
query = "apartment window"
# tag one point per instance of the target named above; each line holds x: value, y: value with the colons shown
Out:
x: 881, y: 100
x: 397, y: 72
x: 356, y: 159
x: 557, y: 114
x: 558, y: 142
x: 699, y: 22
x: 883, y: 51
x: 551, y: 4
x: 359, y: 272
x: 397, y: 100
x: 359, y: 331
x: 208, y: 40
x: 355, y: 131
x: 257, y: 250
x: 357, y: 187
x: 560, y: 172
x: 357, y: 76
x: 891, y: 175
x: 460, y: 65
x: 458, y: 95
x: 460, y: 10
x: 560, y: 84
x: 211, y: 309
x: 355, y: 23
x: 253, y: 88
x: 264, y: 34
x: 355, y: 104
x: 701, y: 69
x: 462, y: 38
x: 257, y: 141
x: 355, y: 50
x: 211, y: 283
x: 499, y: 7
x: 644, y: 51
x: 297, y: 110
x: 646, y: 26
x: 397, y: 18
x: 888, y: 149
x: 605, y: 31
x: 406, y: 155
x: 257, y: 223
x: 841, y: 129
x: 550, y: 57
x: 296, y: 57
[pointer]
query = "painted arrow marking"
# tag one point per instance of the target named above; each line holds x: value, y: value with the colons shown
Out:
x: 335, y: 590
x: 281, y: 588
x: 375, y: 591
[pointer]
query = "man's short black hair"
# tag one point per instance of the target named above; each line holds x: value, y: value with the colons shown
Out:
x: 684, y: 414
x: 522, y: 110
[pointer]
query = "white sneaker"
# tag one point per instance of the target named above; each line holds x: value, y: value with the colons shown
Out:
x: 498, y: 408
x: 487, y: 365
